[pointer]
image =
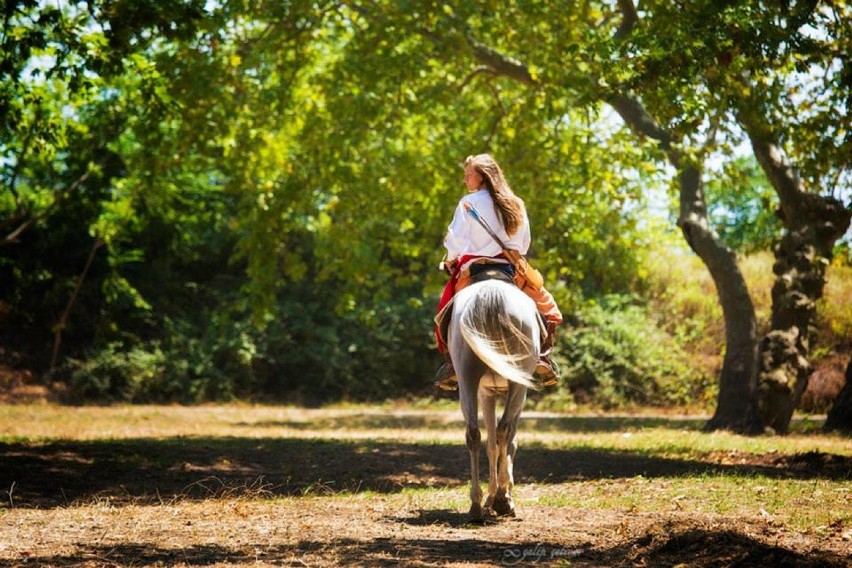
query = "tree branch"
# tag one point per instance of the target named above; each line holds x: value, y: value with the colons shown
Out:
x: 470, y: 76
x: 63, y: 320
x: 778, y: 169
x: 500, y: 63
x: 632, y: 111
x: 637, y: 118
x: 772, y: 160
x: 15, y: 234
x: 631, y: 17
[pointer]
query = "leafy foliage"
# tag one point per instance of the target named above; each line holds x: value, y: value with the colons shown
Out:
x: 619, y: 356
x: 271, y: 182
x: 306, y: 354
x: 744, y: 207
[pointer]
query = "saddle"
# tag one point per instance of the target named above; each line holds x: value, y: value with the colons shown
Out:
x: 492, y: 271
x: 478, y: 273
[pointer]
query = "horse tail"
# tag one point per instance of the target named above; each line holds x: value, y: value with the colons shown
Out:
x: 495, y: 337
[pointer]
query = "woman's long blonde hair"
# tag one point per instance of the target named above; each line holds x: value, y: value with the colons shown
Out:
x: 509, y: 207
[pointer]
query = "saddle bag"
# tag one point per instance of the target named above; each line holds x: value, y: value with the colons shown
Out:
x: 524, y: 270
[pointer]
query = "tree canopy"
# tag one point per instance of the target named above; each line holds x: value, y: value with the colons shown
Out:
x: 263, y: 187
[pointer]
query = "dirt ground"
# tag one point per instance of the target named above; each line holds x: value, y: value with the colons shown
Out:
x: 330, y: 494
x: 376, y: 531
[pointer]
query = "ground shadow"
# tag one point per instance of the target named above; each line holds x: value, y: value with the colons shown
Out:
x: 691, y: 546
x: 535, y: 422
x: 448, y: 518
x: 380, y: 552
x: 538, y: 422
x: 39, y: 474
x: 686, y: 546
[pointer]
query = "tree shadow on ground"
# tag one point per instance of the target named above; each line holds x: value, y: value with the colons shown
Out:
x: 532, y: 421
x: 146, y: 470
x: 686, y: 546
x: 692, y: 546
x: 450, y: 422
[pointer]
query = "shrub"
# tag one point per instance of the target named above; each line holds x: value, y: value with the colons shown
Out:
x: 308, y: 352
x: 617, y: 356
x: 118, y: 372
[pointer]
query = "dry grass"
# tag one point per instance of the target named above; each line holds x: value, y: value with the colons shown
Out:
x: 682, y: 288
x: 835, y: 308
x: 384, y: 486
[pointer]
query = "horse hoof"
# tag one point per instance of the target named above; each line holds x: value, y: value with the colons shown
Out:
x: 503, y: 508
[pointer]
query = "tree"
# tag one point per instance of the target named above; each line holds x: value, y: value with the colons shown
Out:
x: 689, y: 79
x: 769, y: 55
x: 788, y: 113
x: 768, y: 70
x: 251, y: 161
x: 750, y: 66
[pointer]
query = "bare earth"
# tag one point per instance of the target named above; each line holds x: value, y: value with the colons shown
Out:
x: 219, y: 486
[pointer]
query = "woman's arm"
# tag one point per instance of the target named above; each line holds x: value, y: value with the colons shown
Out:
x: 457, y: 233
x: 524, y: 244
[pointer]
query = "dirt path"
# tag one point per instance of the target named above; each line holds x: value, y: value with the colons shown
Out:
x: 343, y: 488
x: 366, y: 530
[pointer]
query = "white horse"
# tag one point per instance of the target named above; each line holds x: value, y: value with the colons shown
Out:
x: 494, y: 337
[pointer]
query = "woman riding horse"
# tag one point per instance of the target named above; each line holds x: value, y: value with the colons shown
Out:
x: 470, y: 248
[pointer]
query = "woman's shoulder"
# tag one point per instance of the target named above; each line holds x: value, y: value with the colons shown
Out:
x: 476, y: 198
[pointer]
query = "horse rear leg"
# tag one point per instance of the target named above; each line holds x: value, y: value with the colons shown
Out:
x: 507, y: 446
x: 488, y: 402
x: 473, y: 438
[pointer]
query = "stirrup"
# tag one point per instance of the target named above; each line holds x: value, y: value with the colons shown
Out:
x: 445, y: 378
x: 547, y: 372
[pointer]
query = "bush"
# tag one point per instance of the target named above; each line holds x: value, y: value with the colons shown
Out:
x: 307, y: 352
x: 118, y: 372
x: 367, y: 350
x: 617, y: 357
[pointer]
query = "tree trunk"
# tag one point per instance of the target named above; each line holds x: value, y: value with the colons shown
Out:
x: 800, y: 262
x: 63, y: 320
x: 813, y: 223
x: 840, y: 415
x: 735, y: 408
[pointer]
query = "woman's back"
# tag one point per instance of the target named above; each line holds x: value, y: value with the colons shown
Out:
x: 466, y: 237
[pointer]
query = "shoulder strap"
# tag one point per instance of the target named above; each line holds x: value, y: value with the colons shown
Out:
x: 522, y: 267
x: 475, y: 214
